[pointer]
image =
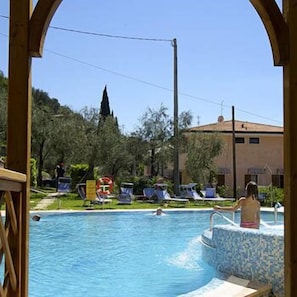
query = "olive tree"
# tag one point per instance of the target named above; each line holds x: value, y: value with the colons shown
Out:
x: 201, y: 150
x: 156, y: 130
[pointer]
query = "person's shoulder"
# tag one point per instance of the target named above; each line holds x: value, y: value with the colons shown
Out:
x: 241, y: 199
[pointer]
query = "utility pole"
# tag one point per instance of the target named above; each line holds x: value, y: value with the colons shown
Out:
x: 234, y: 155
x: 175, y: 122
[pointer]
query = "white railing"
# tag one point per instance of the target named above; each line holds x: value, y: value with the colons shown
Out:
x: 222, y: 216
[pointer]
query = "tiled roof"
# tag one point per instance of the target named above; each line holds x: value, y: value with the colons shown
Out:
x: 240, y: 126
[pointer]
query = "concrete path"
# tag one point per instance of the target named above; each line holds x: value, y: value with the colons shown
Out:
x: 48, y: 200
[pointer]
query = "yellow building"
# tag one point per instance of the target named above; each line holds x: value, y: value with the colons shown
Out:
x: 254, y: 150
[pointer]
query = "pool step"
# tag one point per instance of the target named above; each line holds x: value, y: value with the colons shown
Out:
x: 232, y: 287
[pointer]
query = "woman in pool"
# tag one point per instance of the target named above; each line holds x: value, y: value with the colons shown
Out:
x: 250, y: 207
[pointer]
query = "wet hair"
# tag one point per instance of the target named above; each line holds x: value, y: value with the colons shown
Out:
x: 252, y: 189
x: 36, y: 218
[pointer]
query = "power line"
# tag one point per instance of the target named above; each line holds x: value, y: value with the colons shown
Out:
x: 131, y: 77
x: 105, y: 35
x: 157, y: 86
x: 110, y: 71
x: 111, y: 36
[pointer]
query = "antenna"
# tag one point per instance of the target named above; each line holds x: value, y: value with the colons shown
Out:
x: 221, y: 118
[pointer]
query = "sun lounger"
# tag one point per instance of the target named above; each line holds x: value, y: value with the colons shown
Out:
x: 149, y: 194
x: 164, y: 197
x: 126, y: 195
x: 189, y: 191
x: 208, y: 195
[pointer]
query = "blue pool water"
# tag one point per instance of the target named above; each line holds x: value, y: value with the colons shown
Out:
x: 118, y: 254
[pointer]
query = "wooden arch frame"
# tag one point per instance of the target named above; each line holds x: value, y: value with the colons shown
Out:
x: 26, y: 39
x: 276, y: 29
x: 39, y: 22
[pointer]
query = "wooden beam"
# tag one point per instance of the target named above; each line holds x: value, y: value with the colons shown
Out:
x: 40, y: 20
x: 276, y: 28
x: 290, y: 149
x: 10, y: 175
x: 19, y: 133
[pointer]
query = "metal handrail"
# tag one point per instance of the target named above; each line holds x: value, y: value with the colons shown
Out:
x: 276, y: 207
x: 222, y: 216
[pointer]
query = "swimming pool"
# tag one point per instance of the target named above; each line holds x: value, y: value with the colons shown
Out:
x: 118, y: 254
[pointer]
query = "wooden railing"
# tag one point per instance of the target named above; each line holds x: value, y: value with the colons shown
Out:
x: 12, y: 187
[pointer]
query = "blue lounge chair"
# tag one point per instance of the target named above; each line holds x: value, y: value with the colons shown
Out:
x: 164, y: 197
x: 126, y: 195
x: 149, y: 193
x: 209, y: 194
x: 64, y: 184
x: 189, y: 191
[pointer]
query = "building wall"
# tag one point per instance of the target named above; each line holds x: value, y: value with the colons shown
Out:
x: 253, y: 160
x: 262, y: 160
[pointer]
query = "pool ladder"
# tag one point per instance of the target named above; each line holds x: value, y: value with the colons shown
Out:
x: 222, y: 216
x: 276, y: 207
x: 233, y: 218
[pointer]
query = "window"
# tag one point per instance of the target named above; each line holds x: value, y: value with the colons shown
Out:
x: 220, y: 180
x: 250, y: 177
x: 254, y: 140
x: 239, y: 139
x: 278, y: 180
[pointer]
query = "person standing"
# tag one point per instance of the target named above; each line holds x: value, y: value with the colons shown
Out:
x: 59, y: 172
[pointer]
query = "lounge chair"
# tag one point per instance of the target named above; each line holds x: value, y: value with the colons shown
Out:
x: 149, y: 193
x: 210, y: 195
x: 96, y: 199
x: 164, y: 197
x: 126, y: 195
x: 189, y: 191
x: 64, y: 185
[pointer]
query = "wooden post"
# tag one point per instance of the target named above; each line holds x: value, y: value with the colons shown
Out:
x: 19, y: 128
x: 26, y: 38
x: 290, y: 149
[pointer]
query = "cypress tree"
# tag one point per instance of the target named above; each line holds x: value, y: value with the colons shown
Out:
x: 104, y: 109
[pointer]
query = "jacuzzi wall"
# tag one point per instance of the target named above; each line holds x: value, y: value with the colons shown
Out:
x: 247, y: 253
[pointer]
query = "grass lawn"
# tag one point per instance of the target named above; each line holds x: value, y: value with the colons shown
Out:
x: 72, y: 201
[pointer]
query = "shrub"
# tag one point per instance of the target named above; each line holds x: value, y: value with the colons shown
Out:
x: 33, y: 173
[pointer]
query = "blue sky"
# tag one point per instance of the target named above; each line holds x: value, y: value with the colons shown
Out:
x: 224, y: 59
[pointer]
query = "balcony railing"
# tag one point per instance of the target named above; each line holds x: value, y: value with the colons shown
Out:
x: 12, y: 259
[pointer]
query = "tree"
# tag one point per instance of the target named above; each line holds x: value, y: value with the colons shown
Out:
x: 91, y: 117
x: 137, y: 148
x: 201, y: 151
x: 40, y: 140
x: 156, y: 130
x: 113, y: 157
x: 58, y: 134
x: 184, y: 122
x: 104, y: 107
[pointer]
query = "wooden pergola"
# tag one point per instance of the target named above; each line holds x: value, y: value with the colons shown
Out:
x: 27, y: 32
